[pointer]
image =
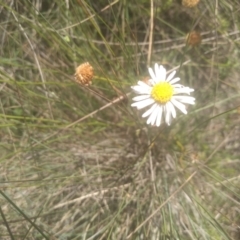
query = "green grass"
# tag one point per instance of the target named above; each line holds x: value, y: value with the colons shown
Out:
x: 73, y: 166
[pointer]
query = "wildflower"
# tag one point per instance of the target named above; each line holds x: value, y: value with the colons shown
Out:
x: 163, y: 94
x: 84, y: 74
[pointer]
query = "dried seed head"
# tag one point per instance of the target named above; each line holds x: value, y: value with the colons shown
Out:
x: 193, y: 38
x: 84, y: 74
x: 190, y: 3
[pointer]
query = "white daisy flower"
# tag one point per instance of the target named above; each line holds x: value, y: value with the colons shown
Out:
x: 162, y: 95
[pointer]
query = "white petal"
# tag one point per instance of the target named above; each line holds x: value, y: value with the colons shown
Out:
x: 141, y: 90
x: 149, y: 111
x: 154, y: 116
x: 174, y: 80
x: 143, y: 104
x: 162, y: 74
x: 143, y: 84
x: 171, y: 109
x: 152, y: 74
x: 151, y: 120
x: 141, y: 97
x: 186, y: 90
x: 185, y: 99
x: 159, y: 116
x: 177, y: 85
x: 157, y: 70
x: 170, y: 77
x: 179, y: 105
x: 167, y: 115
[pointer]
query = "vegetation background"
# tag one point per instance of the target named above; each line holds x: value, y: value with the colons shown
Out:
x: 74, y: 164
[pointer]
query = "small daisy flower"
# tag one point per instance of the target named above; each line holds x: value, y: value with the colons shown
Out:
x: 162, y: 94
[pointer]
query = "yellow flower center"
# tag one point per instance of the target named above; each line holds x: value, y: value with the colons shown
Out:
x: 162, y: 92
